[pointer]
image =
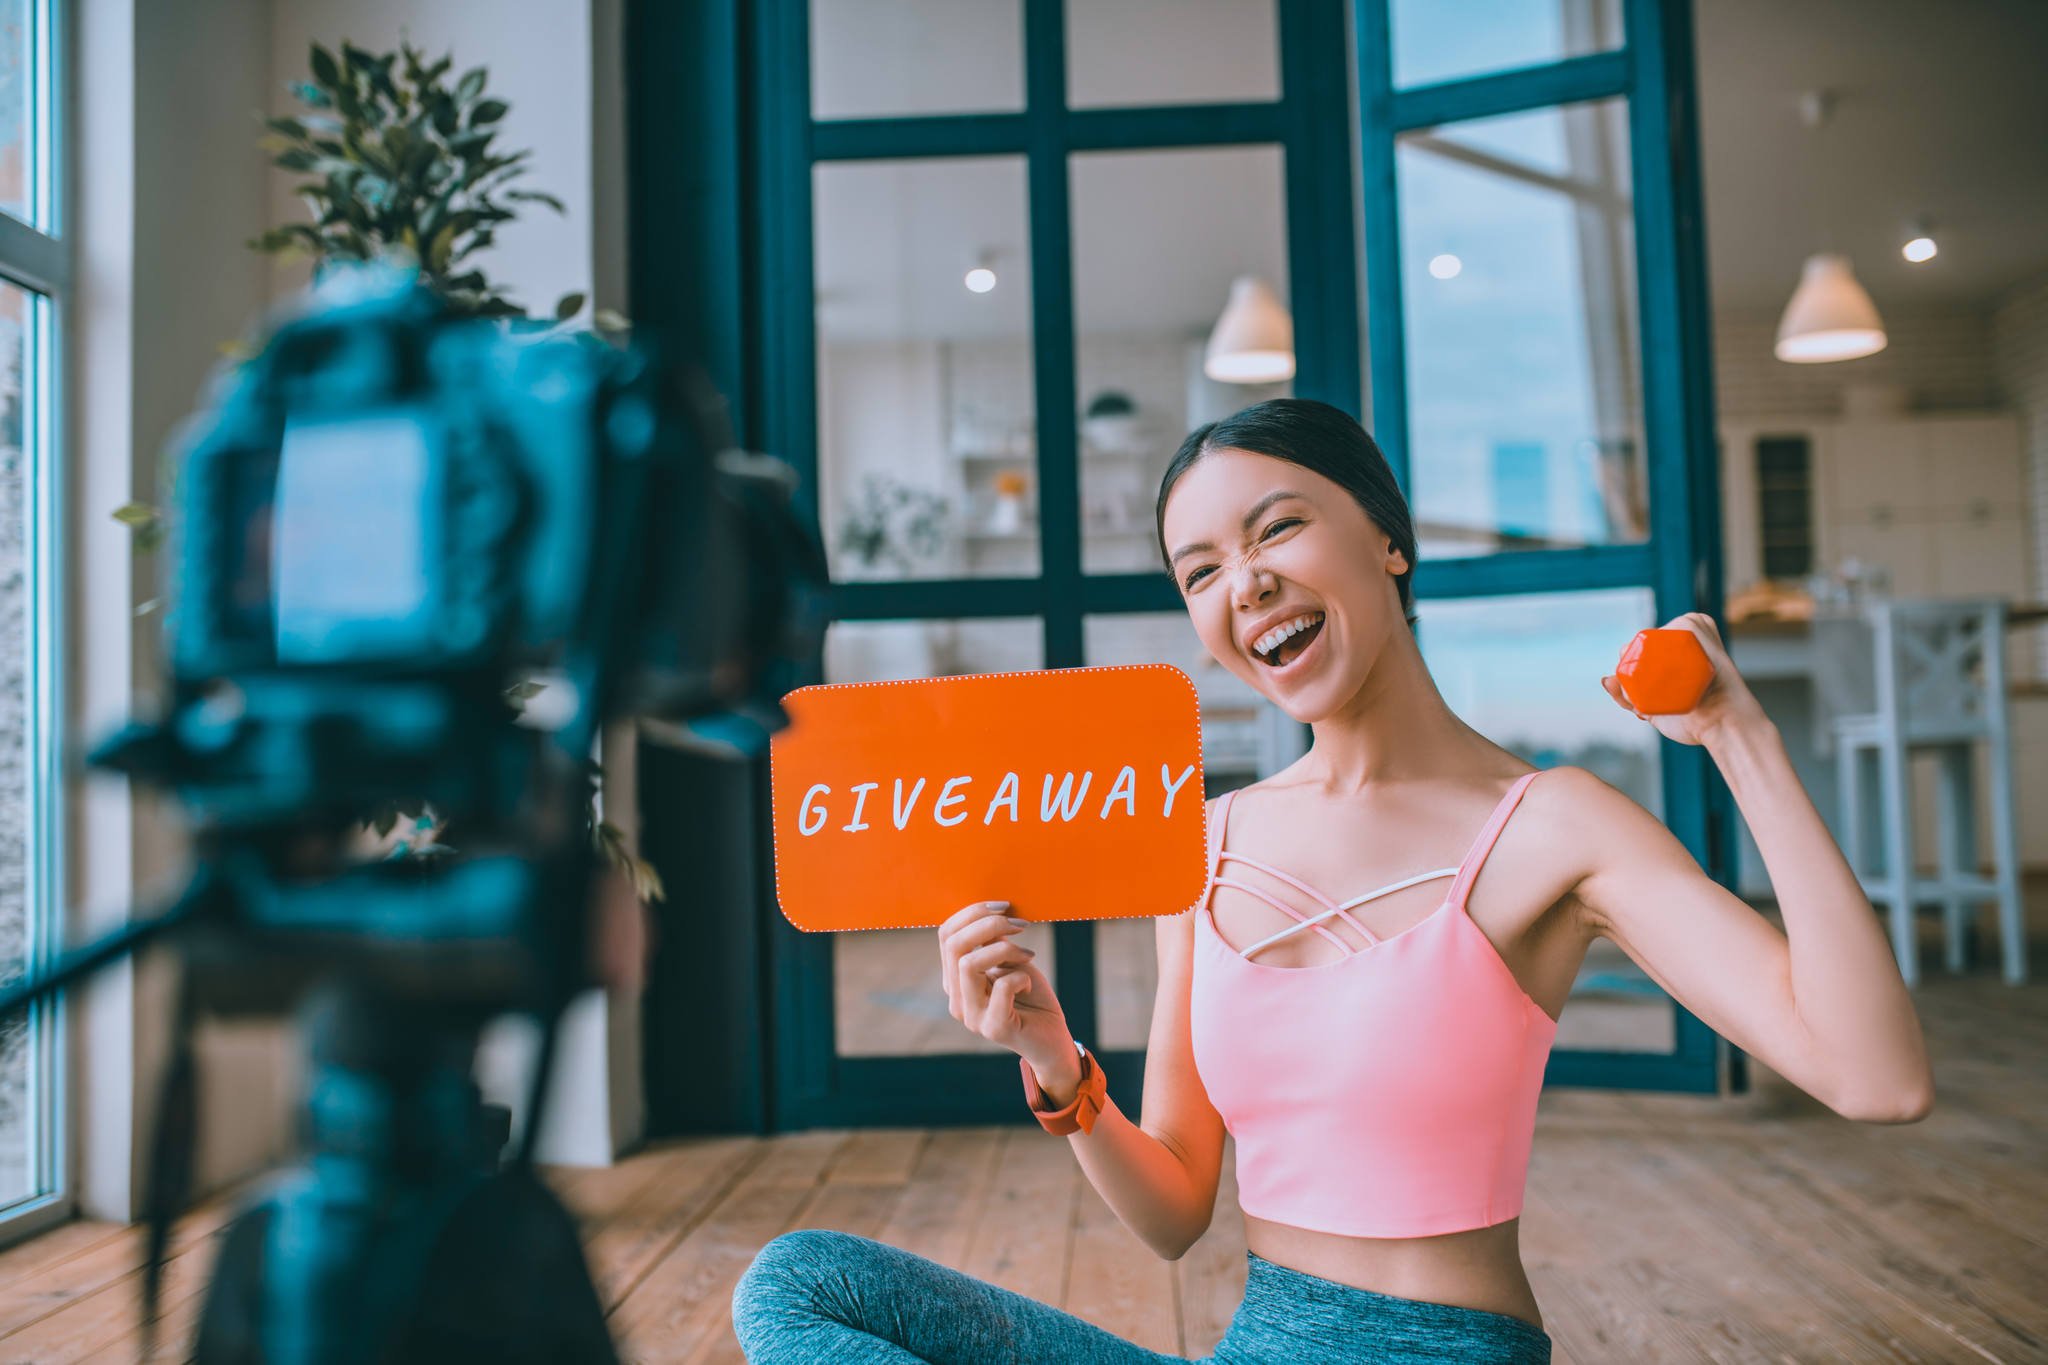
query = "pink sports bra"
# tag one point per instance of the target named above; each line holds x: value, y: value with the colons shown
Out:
x: 1391, y: 1093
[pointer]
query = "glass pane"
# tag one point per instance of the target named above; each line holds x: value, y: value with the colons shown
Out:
x: 1519, y: 289
x: 1135, y: 52
x: 1434, y: 41
x: 886, y: 981
x: 1147, y: 294
x: 1244, y: 738
x: 888, y: 58
x: 927, y: 443
x: 24, y: 910
x: 20, y: 107
x: 874, y: 651
x: 886, y: 997
x: 887, y: 1000
x: 1525, y: 672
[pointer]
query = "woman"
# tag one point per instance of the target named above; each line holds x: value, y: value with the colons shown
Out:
x: 1377, y: 1059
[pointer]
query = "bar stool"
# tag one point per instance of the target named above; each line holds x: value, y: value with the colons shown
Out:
x: 1939, y: 674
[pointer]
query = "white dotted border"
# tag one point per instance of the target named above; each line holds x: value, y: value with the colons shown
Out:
x: 775, y: 844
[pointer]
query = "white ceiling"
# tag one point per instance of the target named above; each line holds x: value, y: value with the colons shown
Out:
x: 1941, y: 110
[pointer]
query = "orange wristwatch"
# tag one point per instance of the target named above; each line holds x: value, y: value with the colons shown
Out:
x: 1081, y: 1111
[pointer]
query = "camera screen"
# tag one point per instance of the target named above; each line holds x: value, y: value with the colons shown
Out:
x: 356, y: 530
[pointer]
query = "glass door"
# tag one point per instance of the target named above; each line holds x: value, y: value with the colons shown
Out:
x: 997, y: 234
x: 1000, y: 233
x: 1540, y: 382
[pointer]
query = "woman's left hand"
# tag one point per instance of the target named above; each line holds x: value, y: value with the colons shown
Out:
x: 1727, y: 703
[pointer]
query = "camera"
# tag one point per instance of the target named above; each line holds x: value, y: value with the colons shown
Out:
x: 388, y: 521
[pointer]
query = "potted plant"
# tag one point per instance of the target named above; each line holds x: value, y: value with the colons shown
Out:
x: 400, y: 165
x: 1111, y: 422
x: 890, y: 529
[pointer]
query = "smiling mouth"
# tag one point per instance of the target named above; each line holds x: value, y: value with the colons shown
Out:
x: 1291, y: 648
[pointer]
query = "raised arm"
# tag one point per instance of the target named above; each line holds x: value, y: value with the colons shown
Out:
x: 1820, y: 1002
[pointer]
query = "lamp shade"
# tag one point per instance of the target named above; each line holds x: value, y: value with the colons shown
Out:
x: 1830, y: 316
x: 1253, y: 342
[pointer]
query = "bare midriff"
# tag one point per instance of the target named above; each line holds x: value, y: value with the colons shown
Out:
x: 1479, y: 1268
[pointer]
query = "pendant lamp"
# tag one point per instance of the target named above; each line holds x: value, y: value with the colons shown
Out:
x: 1253, y: 342
x: 1830, y: 316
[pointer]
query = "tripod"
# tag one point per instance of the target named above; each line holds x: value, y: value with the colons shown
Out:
x: 397, y: 1238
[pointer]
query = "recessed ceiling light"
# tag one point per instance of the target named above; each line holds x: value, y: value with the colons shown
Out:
x: 981, y: 279
x: 1919, y: 249
x: 1445, y: 266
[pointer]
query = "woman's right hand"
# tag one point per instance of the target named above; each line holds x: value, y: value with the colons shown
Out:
x: 993, y: 987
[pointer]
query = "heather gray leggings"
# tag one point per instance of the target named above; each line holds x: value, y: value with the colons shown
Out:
x: 831, y: 1298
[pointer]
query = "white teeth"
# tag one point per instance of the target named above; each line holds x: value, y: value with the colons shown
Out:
x: 1272, y: 639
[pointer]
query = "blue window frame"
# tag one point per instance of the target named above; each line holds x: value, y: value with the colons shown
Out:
x: 34, y: 286
x: 762, y: 327
x: 1673, y: 564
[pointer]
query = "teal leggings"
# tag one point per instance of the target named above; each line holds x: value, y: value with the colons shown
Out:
x: 830, y: 1298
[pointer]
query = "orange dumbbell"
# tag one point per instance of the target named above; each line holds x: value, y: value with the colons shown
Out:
x: 1664, y: 672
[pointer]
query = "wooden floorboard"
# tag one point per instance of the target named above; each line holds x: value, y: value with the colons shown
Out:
x: 1758, y: 1227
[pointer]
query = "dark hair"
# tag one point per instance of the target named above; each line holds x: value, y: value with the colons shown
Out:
x: 1320, y: 438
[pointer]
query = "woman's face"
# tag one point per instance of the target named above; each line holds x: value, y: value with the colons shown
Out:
x: 1261, y: 545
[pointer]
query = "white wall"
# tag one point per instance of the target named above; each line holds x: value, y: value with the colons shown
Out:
x: 558, y: 67
x: 170, y: 184
x: 2019, y: 347
x: 1941, y: 358
x: 162, y: 281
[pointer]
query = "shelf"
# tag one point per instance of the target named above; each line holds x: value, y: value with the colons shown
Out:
x: 1087, y: 534
x: 1087, y: 453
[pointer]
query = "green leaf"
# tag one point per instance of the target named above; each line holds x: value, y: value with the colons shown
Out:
x: 647, y: 881
x: 136, y: 515
x: 568, y: 306
x: 488, y: 111
x: 470, y: 86
x: 309, y: 93
x: 290, y: 127
x: 606, y: 320
x: 324, y: 69
x: 437, y: 250
x: 537, y: 197
x: 525, y: 691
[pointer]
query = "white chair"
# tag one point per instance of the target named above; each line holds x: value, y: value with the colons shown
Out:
x: 1938, y: 669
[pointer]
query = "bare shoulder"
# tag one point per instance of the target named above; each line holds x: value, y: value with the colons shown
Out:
x: 1581, y: 821
x: 1582, y: 801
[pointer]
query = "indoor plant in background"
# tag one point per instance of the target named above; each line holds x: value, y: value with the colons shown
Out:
x: 399, y: 165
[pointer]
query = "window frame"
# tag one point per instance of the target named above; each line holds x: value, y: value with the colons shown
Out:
x: 1309, y: 124
x: 36, y: 256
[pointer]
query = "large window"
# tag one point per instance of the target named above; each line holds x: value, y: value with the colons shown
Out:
x: 1021, y: 221
x: 1002, y: 234
x: 32, y: 285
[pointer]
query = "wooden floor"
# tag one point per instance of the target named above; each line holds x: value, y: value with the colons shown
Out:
x: 1658, y: 1228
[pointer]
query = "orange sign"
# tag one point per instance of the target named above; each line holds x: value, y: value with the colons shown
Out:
x: 1071, y: 793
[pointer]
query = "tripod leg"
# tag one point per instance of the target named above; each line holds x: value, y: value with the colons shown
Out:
x: 229, y: 1327
x: 507, y: 1283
